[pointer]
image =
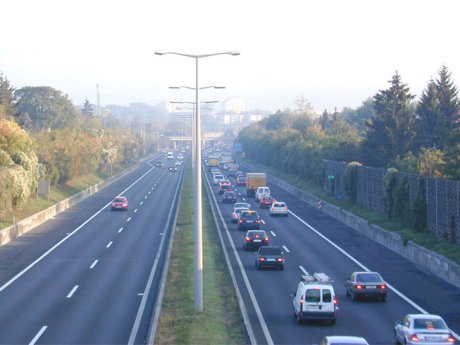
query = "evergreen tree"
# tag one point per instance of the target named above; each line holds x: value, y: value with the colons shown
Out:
x: 449, y: 106
x: 429, y: 120
x: 391, y: 131
x: 6, y: 98
x: 87, y: 108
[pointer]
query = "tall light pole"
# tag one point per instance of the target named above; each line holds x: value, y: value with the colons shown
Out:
x: 197, y: 200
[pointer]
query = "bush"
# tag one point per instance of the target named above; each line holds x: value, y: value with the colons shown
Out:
x: 350, y: 180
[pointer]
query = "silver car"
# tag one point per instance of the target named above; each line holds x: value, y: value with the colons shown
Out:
x: 426, y: 329
x: 366, y: 284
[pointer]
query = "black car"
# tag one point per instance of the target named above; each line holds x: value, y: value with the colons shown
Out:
x: 366, y: 284
x: 249, y: 220
x: 229, y: 197
x: 255, y: 239
x: 269, y: 256
x: 159, y: 164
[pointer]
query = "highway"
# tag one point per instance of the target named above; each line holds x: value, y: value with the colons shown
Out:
x: 314, y: 242
x: 84, y: 277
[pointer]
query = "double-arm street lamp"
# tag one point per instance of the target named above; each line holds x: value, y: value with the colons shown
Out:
x: 197, y: 200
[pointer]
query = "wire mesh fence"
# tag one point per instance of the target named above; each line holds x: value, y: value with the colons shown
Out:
x: 442, y: 196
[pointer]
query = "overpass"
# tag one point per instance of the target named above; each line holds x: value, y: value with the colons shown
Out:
x: 208, y: 136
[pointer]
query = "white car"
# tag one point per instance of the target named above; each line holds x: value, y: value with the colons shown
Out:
x: 217, y: 178
x: 279, y: 208
x: 237, y: 213
x: 343, y: 340
x: 241, y: 205
x: 425, y: 329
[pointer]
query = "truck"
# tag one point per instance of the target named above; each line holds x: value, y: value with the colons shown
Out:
x: 213, y: 162
x: 253, y: 181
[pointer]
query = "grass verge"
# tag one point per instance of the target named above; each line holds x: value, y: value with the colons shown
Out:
x: 425, y: 239
x: 220, y: 322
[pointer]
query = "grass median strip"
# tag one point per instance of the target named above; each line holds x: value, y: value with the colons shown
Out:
x: 221, y: 321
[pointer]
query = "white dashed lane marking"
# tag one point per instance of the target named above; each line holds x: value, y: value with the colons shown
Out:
x: 287, y: 250
x: 94, y: 264
x: 72, y: 291
x: 109, y: 244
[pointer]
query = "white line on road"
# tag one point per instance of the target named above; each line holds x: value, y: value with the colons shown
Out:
x: 303, y: 270
x: 244, y: 199
x: 39, y: 334
x: 94, y: 264
x: 72, y: 291
x: 135, y: 210
x: 287, y: 250
x: 263, y: 222
x: 109, y: 244
x: 273, y: 234
x: 145, y: 197
x: 141, y: 203
x: 128, y: 219
x: 121, y: 229
x: 149, y: 192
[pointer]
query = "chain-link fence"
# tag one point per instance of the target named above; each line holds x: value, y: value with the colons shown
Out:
x: 442, y: 196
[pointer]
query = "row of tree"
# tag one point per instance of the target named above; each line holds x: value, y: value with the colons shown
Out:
x: 44, y: 136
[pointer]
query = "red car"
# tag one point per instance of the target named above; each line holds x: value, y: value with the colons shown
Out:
x: 120, y: 203
x: 241, y: 181
x: 266, y: 202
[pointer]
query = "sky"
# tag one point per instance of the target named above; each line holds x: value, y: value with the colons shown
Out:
x: 335, y: 53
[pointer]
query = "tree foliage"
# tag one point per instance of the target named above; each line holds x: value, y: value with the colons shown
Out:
x: 44, y: 108
x: 390, y: 132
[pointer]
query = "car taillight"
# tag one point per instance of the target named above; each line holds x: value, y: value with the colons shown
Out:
x: 258, y: 221
x: 261, y: 259
x: 266, y: 240
x: 285, y: 208
x: 358, y: 287
x: 451, y: 339
x: 383, y: 286
x: 248, y: 239
x: 413, y: 337
x: 280, y: 259
x: 335, y: 301
x: 240, y: 221
x: 257, y: 236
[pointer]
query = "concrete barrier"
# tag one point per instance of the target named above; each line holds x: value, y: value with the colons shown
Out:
x: 433, y: 262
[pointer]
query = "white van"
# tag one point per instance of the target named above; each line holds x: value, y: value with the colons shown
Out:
x: 315, y: 299
x: 261, y: 192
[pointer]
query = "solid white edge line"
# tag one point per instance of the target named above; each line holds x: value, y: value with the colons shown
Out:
x: 303, y: 270
x: 39, y: 334
x: 17, y: 276
x: 260, y: 317
x: 94, y: 264
x: 72, y: 291
x: 392, y: 288
x: 286, y: 249
x: 148, y: 287
x: 273, y: 234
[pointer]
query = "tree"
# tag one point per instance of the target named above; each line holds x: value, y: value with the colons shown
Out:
x: 429, y: 122
x: 449, y: 106
x: 44, y: 108
x: 87, y: 108
x: 391, y: 131
x: 7, y: 108
x: 361, y: 115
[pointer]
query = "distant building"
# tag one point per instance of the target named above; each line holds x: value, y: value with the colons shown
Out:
x: 233, y: 105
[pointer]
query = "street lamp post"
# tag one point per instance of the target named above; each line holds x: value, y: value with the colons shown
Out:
x: 197, y: 200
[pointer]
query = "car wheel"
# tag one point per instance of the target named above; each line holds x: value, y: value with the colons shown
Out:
x: 299, y: 319
x: 332, y: 322
x: 383, y: 299
x: 287, y: 214
x: 353, y: 296
x: 282, y: 268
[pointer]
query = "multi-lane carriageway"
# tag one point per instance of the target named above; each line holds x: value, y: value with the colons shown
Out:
x: 314, y: 242
x: 90, y: 276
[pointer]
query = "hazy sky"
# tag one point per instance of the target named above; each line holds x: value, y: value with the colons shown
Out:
x: 335, y: 53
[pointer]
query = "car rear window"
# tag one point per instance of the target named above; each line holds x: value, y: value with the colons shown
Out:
x: 429, y: 324
x: 313, y: 295
x: 251, y: 216
x: 270, y: 251
x: 368, y: 278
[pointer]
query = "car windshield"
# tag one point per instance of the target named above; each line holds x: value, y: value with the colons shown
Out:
x: 270, y: 251
x: 429, y: 324
x: 368, y: 278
